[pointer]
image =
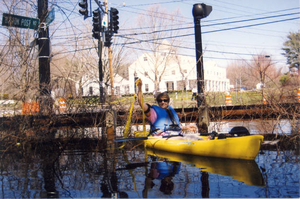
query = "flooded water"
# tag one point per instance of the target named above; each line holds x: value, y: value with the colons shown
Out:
x: 89, y: 168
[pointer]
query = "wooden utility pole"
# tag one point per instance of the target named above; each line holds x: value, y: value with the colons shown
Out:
x: 110, y: 62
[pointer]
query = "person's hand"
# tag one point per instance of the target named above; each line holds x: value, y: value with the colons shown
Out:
x: 190, y: 127
x: 139, y: 83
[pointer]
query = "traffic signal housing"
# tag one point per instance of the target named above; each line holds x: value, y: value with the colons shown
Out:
x: 108, y: 35
x: 96, y: 24
x: 114, y: 20
x: 84, y: 8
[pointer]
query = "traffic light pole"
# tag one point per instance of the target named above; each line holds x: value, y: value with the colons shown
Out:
x: 102, y: 97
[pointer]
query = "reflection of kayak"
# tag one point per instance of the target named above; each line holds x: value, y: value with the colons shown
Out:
x: 242, y: 147
x: 246, y: 171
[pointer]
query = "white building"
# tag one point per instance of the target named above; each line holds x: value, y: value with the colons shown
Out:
x: 174, y: 72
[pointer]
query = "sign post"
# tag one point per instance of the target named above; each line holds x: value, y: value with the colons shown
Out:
x: 20, y: 21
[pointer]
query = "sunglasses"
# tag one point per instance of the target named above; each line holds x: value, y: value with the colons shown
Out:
x: 162, y: 100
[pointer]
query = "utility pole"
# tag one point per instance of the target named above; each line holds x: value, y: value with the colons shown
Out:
x: 44, y: 60
x: 110, y: 62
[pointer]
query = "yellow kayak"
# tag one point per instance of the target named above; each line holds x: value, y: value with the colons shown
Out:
x: 246, y: 171
x: 242, y: 147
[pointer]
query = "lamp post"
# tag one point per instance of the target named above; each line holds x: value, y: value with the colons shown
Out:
x: 200, y: 11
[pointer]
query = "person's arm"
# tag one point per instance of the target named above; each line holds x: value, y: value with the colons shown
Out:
x: 145, y: 106
x: 189, y: 127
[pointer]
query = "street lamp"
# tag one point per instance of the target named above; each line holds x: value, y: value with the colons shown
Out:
x: 200, y: 11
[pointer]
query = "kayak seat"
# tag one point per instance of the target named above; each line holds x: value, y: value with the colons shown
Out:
x: 222, y: 136
x: 213, y: 135
x: 239, y: 131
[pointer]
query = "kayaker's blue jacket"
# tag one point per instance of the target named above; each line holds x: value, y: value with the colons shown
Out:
x: 163, y: 121
x: 166, y: 169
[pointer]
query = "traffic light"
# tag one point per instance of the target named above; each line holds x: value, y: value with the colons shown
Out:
x: 84, y: 11
x: 114, y: 20
x: 108, y: 35
x: 96, y: 24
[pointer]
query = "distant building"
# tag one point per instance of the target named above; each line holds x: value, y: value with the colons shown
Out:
x: 259, y: 86
x: 176, y: 72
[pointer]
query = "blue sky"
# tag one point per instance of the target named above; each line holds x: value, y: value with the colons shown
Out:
x: 249, y: 26
x: 239, y: 42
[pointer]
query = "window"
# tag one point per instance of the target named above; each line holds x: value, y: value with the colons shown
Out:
x: 146, y: 87
x: 90, y: 90
x: 145, y: 59
x: 117, y: 90
x: 126, y: 89
x: 173, y: 72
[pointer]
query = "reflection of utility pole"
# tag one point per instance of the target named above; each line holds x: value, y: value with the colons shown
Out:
x: 205, y: 184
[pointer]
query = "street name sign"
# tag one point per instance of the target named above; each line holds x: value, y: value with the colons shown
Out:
x: 50, y: 17
x: 20, y: 21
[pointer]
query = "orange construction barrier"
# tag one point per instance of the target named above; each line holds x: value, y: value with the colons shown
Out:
x: 62, y: 104
x: 298, y: 95
x: 228, y: 101
x: 264, y: 100
x: 30, y: 108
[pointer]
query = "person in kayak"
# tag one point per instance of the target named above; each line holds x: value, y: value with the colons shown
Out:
x: 163, y: 119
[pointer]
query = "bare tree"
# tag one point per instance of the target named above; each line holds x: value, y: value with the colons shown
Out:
x: 263, y: 70
x: 236, y: 74
x: 19, y: 75
x: 157, y: 41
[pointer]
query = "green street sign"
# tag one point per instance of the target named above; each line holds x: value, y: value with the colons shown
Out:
x: 20, y: 21
x: 50, y: 17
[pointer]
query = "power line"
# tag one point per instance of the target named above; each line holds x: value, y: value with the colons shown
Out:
x: 247, y: 26
x: 206, y: 57
x: 215, y: 24
x: 212, y: 31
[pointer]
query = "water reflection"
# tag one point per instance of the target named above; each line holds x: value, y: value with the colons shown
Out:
x: 164, y: 171
x: 94, y: 168
x: 245, y: 171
